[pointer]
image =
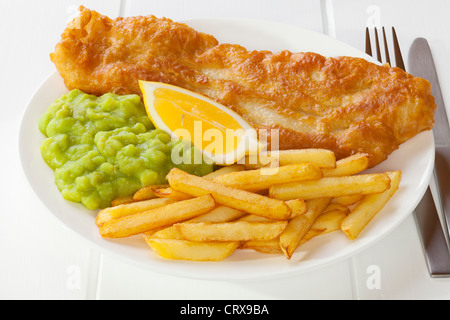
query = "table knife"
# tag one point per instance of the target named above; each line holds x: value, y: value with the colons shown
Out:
x: 421, y: 64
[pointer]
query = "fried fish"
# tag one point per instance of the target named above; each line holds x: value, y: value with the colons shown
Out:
x: 344, y: 104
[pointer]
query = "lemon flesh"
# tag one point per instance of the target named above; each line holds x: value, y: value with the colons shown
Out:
x: 221, y: 134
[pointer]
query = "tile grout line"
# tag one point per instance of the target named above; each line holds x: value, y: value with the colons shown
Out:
x: 96, y: 257
x: 329, y: 29
x: 99, y: 277
x: 328, y: 24
x: 353, y: 278
x: 123, y: 8
x: 93, y: 276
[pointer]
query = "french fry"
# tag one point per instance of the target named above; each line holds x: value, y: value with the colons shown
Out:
x: 218, y: 214
x: 327, y: 222
x: 264, y: 246
x: 348, y: 166
x: 231, y: 231
x: 224, y: 170
x: 172, y: 194
x: 238, y: 199
x: 169, y: 243
x: 331, y: 187
x: 272, y: 206
x: 298, y: 207
x: 368, y: 208
x: 168, y: 232
x: 191, y: 250
x: 262, y: 179
x: 348, y: 200
x: 168, y: 192
x: 121, y: 200
x: 332, y: 206
x: 254, y: 218
x: 321, y: 157
x: 156, y: 218
x: 123, y: 210
x: 261, y: 160
x: 146, y: 192
x: 300, y: 225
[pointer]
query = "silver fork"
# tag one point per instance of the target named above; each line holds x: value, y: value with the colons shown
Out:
x: 434, y: 242
x: 397, y: 51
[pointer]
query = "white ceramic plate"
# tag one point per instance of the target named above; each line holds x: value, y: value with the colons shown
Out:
x: 415, y: 158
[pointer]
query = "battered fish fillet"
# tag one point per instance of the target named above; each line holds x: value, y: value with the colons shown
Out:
x: 344, y: 104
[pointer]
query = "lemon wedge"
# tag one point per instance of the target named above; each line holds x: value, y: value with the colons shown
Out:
x: 222, y: 135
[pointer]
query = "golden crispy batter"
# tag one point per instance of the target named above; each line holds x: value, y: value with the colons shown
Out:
x: 344, y: 104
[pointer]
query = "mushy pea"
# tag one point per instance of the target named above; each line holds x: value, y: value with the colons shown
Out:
x: 106, y: 147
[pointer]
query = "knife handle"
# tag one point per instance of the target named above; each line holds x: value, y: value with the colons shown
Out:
x: 442, y: 178
x: 433, y: 239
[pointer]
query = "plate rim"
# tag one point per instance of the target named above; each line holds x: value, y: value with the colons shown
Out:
x: 222, y: 276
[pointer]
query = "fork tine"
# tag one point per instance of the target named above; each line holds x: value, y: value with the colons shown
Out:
x: 368, y: 44
x: 377, y: 45
x: 386, y: 50
x: 397, y: 52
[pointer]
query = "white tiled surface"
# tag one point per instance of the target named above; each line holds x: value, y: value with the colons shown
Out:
x: 41, y: 259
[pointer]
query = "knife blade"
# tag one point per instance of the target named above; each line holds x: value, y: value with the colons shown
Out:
x: 421, y: 64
